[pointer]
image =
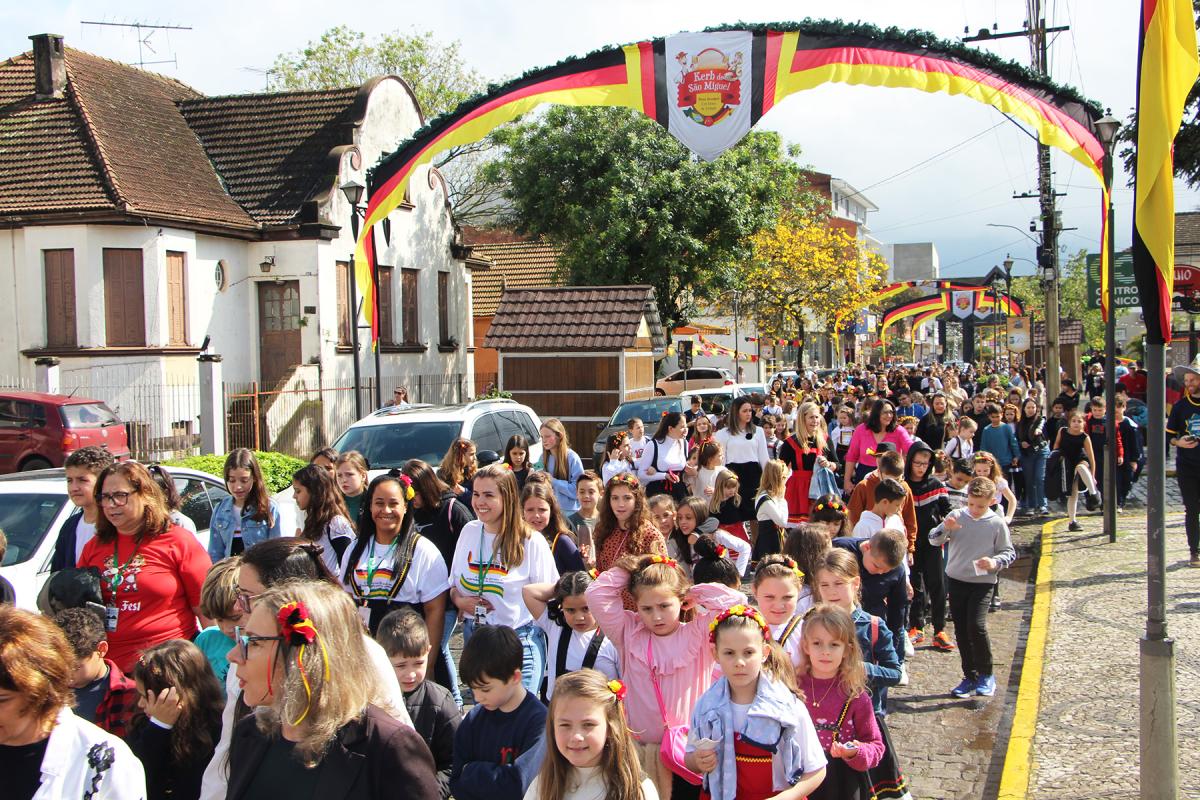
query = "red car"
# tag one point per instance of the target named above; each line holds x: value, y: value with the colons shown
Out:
x: 39, y: 430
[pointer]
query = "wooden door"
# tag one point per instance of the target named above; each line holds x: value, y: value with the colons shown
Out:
x: 278, y: 330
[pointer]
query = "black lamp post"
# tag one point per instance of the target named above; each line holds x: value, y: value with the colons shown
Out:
x: 353, y: 190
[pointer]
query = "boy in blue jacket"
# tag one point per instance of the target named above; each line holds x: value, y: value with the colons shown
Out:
x: 499, y: 745
x: 1000, y: 440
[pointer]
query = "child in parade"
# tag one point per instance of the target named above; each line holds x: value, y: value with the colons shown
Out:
x: 249, y: 515
x: 540, y: 511
x: 663, y: 645
x: 590, y: 752
x: 751, y: 735
x: 777, y: 585
x: 574, y: 639
x: 771, y: 509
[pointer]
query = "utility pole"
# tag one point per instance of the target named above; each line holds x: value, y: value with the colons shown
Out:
x: 1036, y: 30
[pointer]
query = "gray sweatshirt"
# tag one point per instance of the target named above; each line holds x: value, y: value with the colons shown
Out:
x: 976, y: 539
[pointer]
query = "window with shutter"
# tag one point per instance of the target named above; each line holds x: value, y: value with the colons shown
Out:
x: 408, y: 297
x: 124, y: 298
x: 443, y: 308
x: 60, y: 298
x: 177, y: 298
x: 344, y: 334
x: 387, y: 308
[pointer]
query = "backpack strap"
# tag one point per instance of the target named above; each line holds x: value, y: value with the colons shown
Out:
x: 560, y: 658
x: 409, y: 549
x: 593, y: 650
x: 791, y: 626
x: 874, y: 636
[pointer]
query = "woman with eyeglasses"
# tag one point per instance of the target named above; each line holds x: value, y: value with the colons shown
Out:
x: 151, y: 570
x: 316, y: 731
x: 266, y: 565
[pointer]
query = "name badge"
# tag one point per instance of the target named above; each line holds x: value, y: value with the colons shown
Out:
x: 110, y: 618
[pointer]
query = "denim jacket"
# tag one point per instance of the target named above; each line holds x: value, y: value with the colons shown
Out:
x: 225, y: 521
x: 771, y: 724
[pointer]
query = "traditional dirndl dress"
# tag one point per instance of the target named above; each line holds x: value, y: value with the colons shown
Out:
x: 887, y: 779
x: 755, y: 777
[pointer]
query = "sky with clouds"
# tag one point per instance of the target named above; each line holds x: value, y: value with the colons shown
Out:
x: 940, y: 169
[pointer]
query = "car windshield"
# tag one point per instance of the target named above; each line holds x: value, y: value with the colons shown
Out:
x: 388, y: 446
x: 88, y: 415
x: 645, y: 410
x: 25, y: 518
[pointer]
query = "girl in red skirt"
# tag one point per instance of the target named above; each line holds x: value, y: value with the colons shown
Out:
x: 751, y: 736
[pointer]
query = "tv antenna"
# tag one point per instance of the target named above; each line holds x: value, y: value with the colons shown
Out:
x: 266, y: 73
x: 144, y: 40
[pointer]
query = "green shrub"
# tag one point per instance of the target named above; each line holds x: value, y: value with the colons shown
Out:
x: 277, y: 468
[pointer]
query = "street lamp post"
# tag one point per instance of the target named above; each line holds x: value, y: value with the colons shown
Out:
x: 1008, y: 265
x: 1107, y: 131
x: 353, y: 190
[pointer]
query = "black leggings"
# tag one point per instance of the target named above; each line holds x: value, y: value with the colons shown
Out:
x: 929, y: 592
x: 969, y: 605
x: 1189, y: 489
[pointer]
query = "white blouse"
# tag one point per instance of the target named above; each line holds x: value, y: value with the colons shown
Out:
x: 740, y: 450
x: 672, y: 457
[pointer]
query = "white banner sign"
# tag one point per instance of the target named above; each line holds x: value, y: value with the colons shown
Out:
x: 708, y: 94
x: 962, y: 304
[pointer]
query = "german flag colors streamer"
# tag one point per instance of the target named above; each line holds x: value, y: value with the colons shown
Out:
x: 707, y: 89
x: 1167, y: 69
x: 929, y: 308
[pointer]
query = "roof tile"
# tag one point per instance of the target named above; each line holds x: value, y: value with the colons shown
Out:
x: 574, y: 318
x: 515, y: 265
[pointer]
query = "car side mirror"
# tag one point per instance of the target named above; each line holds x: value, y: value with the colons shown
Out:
x: 601, y: 426
x: 485, y: 457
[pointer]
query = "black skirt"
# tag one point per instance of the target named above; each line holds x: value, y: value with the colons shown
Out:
x: 749, y: 476
x: 887, y: 779
x: 842, y: 782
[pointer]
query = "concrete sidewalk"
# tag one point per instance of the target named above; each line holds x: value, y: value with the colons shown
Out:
x: 1085, y: 736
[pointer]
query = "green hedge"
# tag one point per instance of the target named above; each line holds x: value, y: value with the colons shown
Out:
x: 277, y: 468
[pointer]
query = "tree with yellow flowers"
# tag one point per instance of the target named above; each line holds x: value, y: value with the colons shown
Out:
x: 803, y: 264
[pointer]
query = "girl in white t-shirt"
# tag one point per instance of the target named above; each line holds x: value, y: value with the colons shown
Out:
x: 497, y: 555
x: 573, y: 637
x: 390, y: 565
x: 326, y: 519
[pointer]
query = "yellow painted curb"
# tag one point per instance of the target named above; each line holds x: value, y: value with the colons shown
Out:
x: 1018, y: 760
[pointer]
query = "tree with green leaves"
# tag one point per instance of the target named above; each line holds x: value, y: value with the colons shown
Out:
x: 628, y: 204
x: 438, y: 75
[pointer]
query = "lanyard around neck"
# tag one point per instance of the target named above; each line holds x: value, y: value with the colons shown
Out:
x: 119, y: 569
x: 484, y: 568
x: 372, y: 566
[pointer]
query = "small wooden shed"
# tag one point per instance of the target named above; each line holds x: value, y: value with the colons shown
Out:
x: 577, y: 352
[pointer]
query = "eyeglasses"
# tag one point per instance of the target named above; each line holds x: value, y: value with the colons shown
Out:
x: 115, y: 499
x: 242, y: 601
x: 244, y: 639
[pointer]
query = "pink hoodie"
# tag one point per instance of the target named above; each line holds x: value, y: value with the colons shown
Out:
x: 683, y: 659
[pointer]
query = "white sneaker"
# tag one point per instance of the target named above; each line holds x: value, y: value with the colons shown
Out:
x: 909, y: 652
x: 903, y: 675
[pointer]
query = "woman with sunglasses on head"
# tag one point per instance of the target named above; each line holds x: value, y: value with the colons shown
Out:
x: 316, y: 731
x: 269, y: 564
x: 151, y: 570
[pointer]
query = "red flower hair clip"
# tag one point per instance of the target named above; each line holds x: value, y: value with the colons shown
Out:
x: 295, y: 625
x: 722, y: 551
x: 618, y: 688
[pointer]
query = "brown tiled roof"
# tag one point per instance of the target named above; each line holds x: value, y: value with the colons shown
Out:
x: 1187, y: 228
x: 46, y: 161
x: 1070, y: 331
x: 515, y: 265
x: 574, y: 318
x: 124, y: 143
x: 271, y: 149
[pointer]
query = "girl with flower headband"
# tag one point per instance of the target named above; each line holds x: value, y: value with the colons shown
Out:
x: 777, y: 586
x: 301, y: 660
x: 625, y: 527
x: 663, y: 646
x: 392, y: 566
x: 835, y: 691
x: 497, y: 555
x: 590, y: 752
x: 751, y: 736
x: 618, y: 457
x: 573, y: 637
x: 832, y: 514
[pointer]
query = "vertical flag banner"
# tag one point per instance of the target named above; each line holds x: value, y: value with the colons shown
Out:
x: 709, y: 91
x: 963, y: 304
x: 1167, y: 69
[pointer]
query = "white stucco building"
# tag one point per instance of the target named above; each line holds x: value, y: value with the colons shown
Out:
x: 139, y: 219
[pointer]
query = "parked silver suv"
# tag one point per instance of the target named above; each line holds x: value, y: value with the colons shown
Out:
x: 391, y: 436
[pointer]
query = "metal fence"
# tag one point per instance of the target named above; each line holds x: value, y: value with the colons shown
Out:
x: 299, y: 418
x: 162, y: 417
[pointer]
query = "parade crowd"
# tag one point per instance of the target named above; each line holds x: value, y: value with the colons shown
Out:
x: 717, y: 610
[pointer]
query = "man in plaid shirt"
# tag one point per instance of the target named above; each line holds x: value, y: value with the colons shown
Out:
x: 103, y: 694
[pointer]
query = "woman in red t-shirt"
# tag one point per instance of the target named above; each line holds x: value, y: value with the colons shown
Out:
x: 150, y: 569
